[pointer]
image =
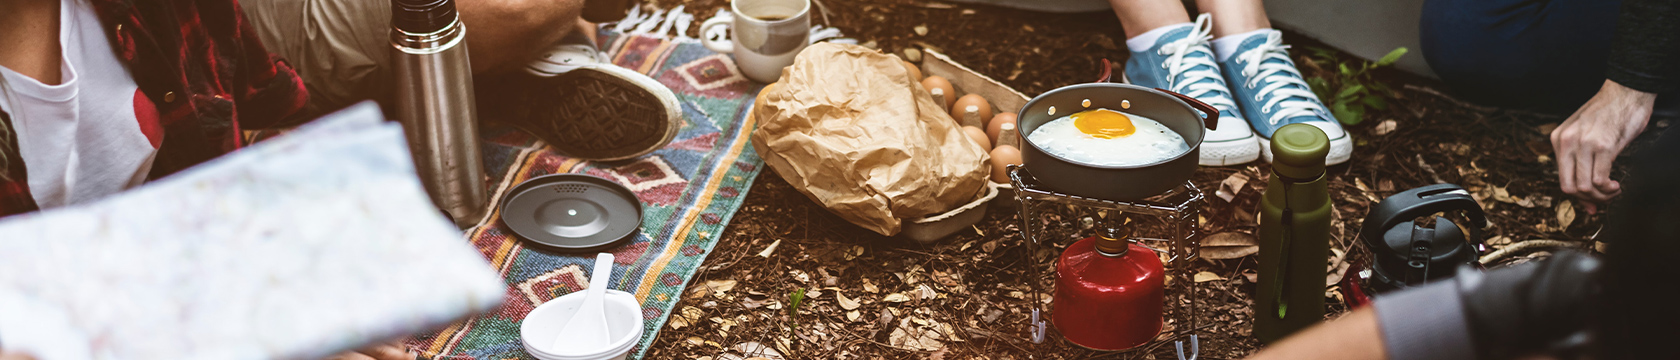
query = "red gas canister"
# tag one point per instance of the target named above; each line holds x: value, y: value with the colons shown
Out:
x: 1108, y: 294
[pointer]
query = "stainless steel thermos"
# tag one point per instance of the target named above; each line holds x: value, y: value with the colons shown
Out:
x: 433, y: 98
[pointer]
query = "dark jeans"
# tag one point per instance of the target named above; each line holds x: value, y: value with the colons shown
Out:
x: 1546, y: 55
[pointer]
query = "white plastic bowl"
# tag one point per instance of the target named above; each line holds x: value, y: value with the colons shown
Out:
x: 624, y: 325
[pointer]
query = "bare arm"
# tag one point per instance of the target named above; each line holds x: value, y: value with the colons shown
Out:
x: 1354, y: 336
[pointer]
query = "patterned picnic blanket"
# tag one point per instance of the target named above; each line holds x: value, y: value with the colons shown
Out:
x: 689, y: 191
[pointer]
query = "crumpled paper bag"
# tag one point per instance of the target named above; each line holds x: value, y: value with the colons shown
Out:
x: 848, y: 127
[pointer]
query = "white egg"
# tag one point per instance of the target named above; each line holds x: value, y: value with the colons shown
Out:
x: 1150, y: 143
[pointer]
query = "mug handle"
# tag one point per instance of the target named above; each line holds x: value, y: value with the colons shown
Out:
x: 719, y: 39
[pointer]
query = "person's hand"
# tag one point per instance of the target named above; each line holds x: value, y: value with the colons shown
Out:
x: 387, y: 351
x: 1589, y: 141
x: 4, y: 355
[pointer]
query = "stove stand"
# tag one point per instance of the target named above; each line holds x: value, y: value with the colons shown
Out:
x: 1178, y: 207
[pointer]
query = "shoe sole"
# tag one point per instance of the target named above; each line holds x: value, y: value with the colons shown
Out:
x: 1229, y: 152
x: 1222, y: 153
x: 600, y: 113
x: 1340, y: 150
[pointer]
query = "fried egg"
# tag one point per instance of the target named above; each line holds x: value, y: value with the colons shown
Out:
x: 1106, y: 137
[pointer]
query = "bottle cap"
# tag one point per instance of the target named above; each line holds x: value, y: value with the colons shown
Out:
x: 422, y: 16
x: 1299, y: 150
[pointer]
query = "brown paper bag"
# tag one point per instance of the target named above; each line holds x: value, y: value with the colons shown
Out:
x: 846, y: 126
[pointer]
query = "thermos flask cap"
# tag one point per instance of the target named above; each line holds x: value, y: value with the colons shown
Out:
x: 1299, y: 150
x: 422, y: 16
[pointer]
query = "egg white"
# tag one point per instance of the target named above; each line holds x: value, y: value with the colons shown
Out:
x: 1152, y: 142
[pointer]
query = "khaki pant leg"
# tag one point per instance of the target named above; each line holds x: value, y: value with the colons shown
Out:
x: 339, y: 47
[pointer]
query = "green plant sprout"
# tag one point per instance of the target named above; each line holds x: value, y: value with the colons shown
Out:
x: 794, y: 299
x: 1350, y: 91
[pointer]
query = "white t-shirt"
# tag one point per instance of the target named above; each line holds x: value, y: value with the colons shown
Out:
x: 93, y: 134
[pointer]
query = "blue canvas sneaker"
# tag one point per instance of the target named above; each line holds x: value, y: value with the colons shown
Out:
x: 1272, y: 94
x: 1181, y: 61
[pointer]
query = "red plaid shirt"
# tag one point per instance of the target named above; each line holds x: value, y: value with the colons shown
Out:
x: 205, y: 70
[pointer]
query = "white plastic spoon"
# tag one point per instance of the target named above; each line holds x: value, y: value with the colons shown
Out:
x: 587, y: 330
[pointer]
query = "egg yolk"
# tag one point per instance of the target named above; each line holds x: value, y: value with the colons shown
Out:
x: 1104, y: 123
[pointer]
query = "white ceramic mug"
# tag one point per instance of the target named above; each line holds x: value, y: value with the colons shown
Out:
x: 764, y: 35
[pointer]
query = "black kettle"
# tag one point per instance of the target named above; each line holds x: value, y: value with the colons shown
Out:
x: 1404, y: 254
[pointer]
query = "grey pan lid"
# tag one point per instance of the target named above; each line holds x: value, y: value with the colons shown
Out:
x: 572, y: 212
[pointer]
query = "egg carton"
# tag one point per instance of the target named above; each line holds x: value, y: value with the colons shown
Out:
x: 967, y: 81
x: 932, y: 228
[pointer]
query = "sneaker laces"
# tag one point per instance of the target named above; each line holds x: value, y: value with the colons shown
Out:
x: 1190, y: 75
x: 1284, y: 89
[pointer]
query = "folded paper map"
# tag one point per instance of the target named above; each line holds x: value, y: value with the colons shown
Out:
x: 299, y: 247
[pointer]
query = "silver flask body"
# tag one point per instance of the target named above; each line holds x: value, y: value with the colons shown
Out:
x: 433, y: 99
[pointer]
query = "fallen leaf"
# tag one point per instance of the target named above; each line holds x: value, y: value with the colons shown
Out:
x: 1359, y: 183
x: 1499, y: 241
x: 938, y: 355
x: 1387, y: 126
x: 800, y: 275
x: 845, y: 302
x: 1229, y: 245
x: 687, y: 317
x: 949, y: 279
x: 1207, y: 276
x: 1501, y: 195
x: 715, y: 287
x: 1565, y: 214
x: 770, y: 250
x: 896, y: 297
x: 785, y: 344
x: 925, y: 292
x: 725, y: 324
x: 870, y: 286
x: 1251, y: 275
x: 1385, y: 186
x: 921, y: 29
x: 853, y: 315
x: 753, y: 348
x: 916, y: 335
x: 1338, y: 269
x: 753, y: 301
x: 1232, y: 186
x: 913, y: 55
x: 1460, y: 148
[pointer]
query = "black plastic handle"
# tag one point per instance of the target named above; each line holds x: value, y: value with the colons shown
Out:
x: 1414, y: 203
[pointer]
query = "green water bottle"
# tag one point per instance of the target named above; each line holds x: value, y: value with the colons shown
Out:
x: 1294, y: 234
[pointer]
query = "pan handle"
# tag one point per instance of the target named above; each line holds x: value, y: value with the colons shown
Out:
x: 1212, y: 118
x: 1107, y: 71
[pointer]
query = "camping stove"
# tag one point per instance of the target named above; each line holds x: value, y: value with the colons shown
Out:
x: 1177, y: 207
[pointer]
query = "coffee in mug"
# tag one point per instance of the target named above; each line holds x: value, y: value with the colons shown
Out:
x: 764, y: 35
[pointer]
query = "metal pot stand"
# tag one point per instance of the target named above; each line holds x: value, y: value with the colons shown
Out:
x: 1177, y: 206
